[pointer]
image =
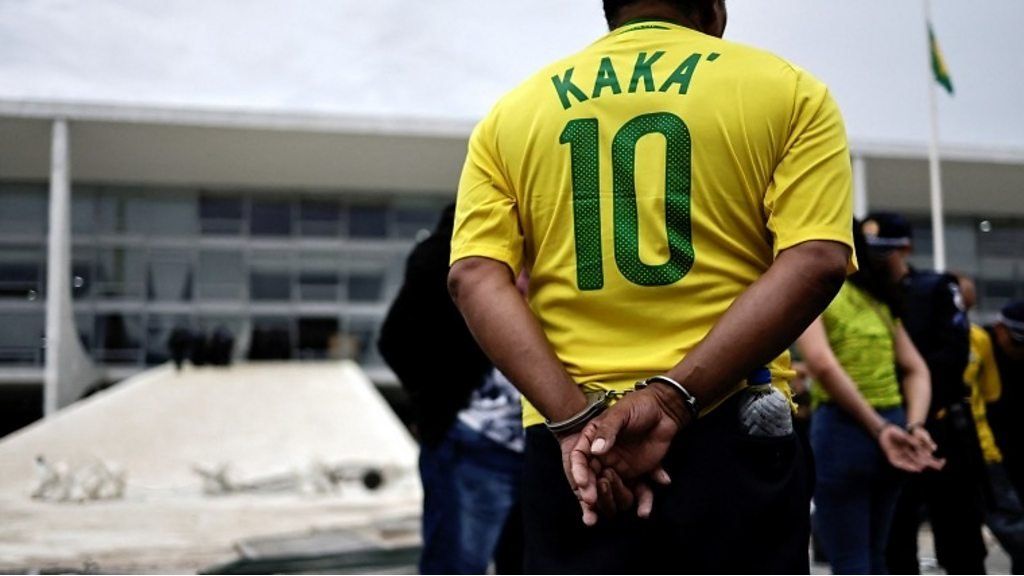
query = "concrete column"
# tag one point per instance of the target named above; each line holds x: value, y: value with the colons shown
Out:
x: 69, y: 371
x: 860, y: 187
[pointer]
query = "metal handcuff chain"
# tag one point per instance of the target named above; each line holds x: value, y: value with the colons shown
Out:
x: 599, y: 400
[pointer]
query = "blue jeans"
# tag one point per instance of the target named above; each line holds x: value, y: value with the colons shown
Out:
x: 855, y: 495
x: 470, y: 485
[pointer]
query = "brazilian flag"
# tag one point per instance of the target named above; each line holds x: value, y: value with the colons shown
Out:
x: 939, y: 63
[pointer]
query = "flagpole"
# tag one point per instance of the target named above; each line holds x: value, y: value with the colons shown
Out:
x: 935, y: 175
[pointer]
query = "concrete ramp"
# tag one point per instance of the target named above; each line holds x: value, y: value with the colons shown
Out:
x: 265, y: 421
x: 260, y: 420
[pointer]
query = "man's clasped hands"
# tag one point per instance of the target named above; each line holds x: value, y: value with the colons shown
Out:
x: 615, y: 459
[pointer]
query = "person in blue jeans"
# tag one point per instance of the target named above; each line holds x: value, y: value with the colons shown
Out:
x: 871, y: 396
x: 466, y: 416
x: 474, y: 477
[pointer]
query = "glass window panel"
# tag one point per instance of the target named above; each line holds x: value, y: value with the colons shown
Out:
x: 83, y: 210
x: 84, y: 325
x: 1003, y: 239
x: 319, y: 279
x: 161, y: 214
x: 170, y: 276
x: 158, y: 334
x: 318, y: 286
x: 319, y: 218
x: 270, y: 276
x: 120, y: 272
x: 21, y: 272
x: 317, y: 336
x: 416, y: 220
x: 220, y: 214
x: 83, y: 262
x: 358, y: 341
x: 365, y: 286
x: 118, y: 338
x: 23, y: 209
x: 267, y: 285
x: 367, y: 221
x: 271, y: 338
x: 270, y: 218
x: 21, y: 338
x: 221, y: 275
x: 110, y: 212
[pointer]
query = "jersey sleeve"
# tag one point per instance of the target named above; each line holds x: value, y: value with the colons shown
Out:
x: 810, y: 196
x: 487, y: 212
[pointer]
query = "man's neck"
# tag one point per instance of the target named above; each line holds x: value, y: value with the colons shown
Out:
x: 655, y: 11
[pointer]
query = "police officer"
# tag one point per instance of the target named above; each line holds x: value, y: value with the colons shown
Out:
x: 936, y: 319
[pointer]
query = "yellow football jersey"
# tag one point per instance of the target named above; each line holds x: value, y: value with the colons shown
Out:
x: 982, y: 375
x: 646, y: 182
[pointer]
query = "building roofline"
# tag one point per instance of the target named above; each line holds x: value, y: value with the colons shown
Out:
x: 215, y: 117
x: 326, y: 122
x: 951, y: 152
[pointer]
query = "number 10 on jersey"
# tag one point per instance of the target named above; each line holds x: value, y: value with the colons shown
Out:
x: 582, y: 136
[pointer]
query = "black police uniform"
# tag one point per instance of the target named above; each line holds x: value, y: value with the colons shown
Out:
x: 935, y: 318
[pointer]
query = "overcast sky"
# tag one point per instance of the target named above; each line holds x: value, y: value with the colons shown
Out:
x: 451, y: 59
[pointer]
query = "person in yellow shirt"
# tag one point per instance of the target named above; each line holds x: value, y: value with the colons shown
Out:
x: 871, y: 394
x: 683, y: 205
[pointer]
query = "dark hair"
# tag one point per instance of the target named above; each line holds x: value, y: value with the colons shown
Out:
x: 871, y: 277
x: 613, y: 7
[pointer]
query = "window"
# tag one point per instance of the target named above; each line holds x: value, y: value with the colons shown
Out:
x: 120, y: 273
x: 271, y: 338
x: 270, y: 218
x: 21, y: 272
x: 83, y: 210
x: 110, y: 212
x: 416, y: 220
x: 221, y: 275
x: 220, y: 215
x: 161, y: 214
x: 365, y: 286
x: 358, y: 343
x: 367, y: 221
x: 319, y: 218
x: 316, y: 336
x: 21, y: 338
x: 170, y: 276
x: 25, y: 209
x: 318, y: 279
x: 83, y: 261
x: 158, y: 334
x: 270, y: 276
x: 118, y: 338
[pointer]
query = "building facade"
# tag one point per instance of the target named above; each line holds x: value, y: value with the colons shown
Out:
x: 290, y: 231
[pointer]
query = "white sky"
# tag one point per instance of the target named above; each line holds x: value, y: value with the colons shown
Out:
x: 451, y: 59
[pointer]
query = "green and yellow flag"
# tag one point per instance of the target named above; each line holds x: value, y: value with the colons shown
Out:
x: 938, y: 62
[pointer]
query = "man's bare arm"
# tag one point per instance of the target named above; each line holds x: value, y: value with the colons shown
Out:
x: 765, y: 320
x: 484, y: 291
x: 633, y: 436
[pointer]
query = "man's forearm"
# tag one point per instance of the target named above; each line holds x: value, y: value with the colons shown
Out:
x: 765, y: 320
x: 509, y: 333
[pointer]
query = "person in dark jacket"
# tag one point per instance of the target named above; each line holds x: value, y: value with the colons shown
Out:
x: 936, y: 320
x: 467, y: 417
x: 1007, y: 335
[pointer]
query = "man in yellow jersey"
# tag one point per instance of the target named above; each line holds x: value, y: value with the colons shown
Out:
x: 683, y: 205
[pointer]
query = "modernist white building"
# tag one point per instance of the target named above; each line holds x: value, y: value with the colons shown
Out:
x: 292, y: 229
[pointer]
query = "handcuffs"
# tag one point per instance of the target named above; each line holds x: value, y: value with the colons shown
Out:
x: 599, y: 400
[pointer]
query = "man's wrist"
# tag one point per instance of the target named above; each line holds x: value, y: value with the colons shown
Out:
x: 672, y: 403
